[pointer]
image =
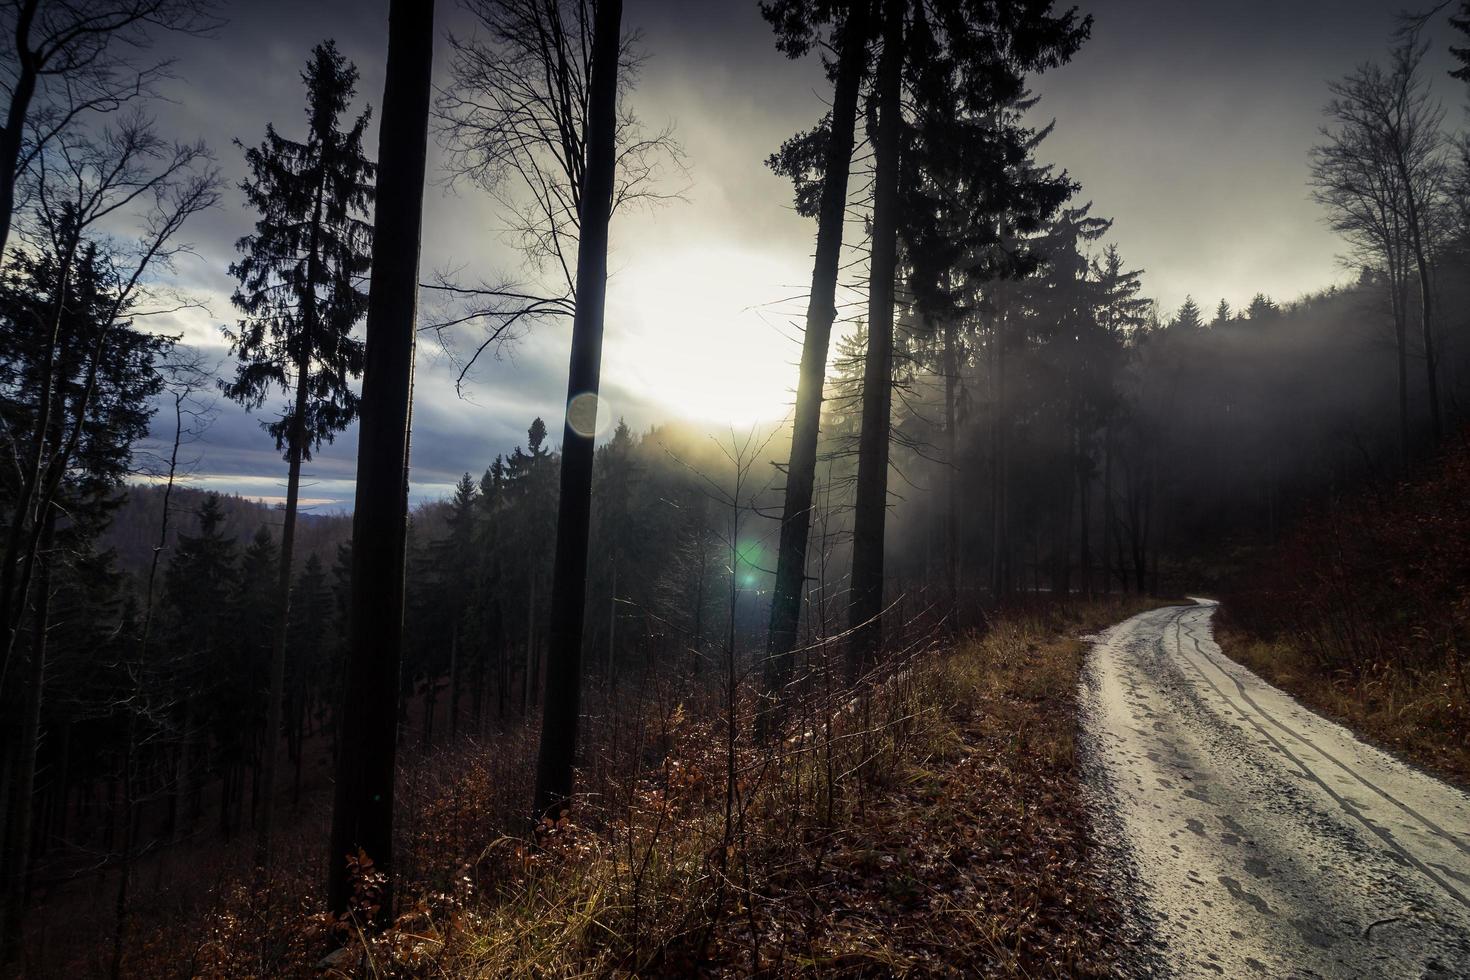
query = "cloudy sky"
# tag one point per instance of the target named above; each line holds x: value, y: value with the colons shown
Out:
x: 1187, y: 123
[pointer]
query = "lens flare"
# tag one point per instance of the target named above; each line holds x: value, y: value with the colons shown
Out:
x: 588, y: 415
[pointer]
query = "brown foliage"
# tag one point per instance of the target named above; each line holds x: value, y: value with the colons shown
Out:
x: 930, y: 824
x: 1364, y: 610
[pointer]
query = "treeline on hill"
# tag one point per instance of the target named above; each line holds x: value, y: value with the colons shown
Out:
x: 1363, y: 609
x: 1008, y: 415
x: 133, y: 531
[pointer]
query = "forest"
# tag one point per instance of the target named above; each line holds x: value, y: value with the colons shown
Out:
x: 627, y: 701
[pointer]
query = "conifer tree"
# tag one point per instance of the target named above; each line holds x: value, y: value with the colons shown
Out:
x: 197, y: 589
x: 239, y: 731
x: 49, y: 399
x: 310, y: 670
x: 1189, y: 317
x: 828, y: 151
x: 300, y: 294
x: 1261, y: 309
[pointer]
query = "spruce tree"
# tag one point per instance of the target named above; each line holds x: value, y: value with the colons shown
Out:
x: 77, y: 397
x: 299, y: 292
x: 828, y: 152
x: 1189, y: 318
x: 197, y: 588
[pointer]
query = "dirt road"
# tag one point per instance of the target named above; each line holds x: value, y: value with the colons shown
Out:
x: 1260, y: 839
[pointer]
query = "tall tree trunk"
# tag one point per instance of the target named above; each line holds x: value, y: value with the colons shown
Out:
x: 528, y: 673
x: 1397, y: 301
x: 951, y: 470
x: 276, y: 689
x: 1109, y: 524
x: 362, y: 815
x: 1421, y: 260
x: 865, y: 607
x: 454, y: 672
x: 1000, y: 555
x: 15, y: 118
x: 1084, y: 537
x: 17, y: 852
x: 612, y: 629
x: 821, y: 311
x: 569, y: 573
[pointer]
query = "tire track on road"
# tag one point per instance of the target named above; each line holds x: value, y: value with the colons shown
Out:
x: 1307, y: 771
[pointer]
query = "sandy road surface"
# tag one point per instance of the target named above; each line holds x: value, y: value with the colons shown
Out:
x: 1259, y: 838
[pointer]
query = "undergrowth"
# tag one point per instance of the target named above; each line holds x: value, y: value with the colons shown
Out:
x: 1363, y: 611
x: 928, y: 822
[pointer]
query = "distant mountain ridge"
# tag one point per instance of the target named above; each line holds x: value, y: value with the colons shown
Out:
x: 134, y: 530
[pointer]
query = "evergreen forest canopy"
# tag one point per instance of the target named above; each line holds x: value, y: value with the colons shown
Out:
x: 1006, y: 413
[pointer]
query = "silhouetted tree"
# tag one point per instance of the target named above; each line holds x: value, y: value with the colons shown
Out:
x: 1189, y: 318
x: 362, y: 810
x: 573, y: 522
x: 50, y: 382
x: 823, y: 158
x: 299, y: 293
x: 516, y: 122
x: 70, y: 63
x: 1389, y: 119
x: 870, y: 506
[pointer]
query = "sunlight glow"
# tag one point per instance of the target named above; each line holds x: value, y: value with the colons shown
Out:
x: 703, y: 330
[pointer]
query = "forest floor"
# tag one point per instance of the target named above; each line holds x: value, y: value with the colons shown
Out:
x: 940, y: 830
x: 937, y: 826
x: 1264, y: 839
x: 972, y: 853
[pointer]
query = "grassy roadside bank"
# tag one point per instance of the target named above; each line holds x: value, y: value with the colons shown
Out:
x: 1419, y: 714
x: 1362, y: 610
x: 934, y: 827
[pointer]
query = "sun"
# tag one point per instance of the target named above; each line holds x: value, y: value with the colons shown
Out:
x: 705, y: 331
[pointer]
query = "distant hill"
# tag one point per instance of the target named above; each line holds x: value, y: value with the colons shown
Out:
x: 134, y: 530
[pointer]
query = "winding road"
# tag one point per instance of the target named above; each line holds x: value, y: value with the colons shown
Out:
x: 1257, y: 838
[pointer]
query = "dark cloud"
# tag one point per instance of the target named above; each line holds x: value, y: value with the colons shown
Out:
x: 1189, y: 123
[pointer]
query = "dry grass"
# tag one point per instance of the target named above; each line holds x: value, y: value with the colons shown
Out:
x: 931, y: 826
x: 1420, y: 714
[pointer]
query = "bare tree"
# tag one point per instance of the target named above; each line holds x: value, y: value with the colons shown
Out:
x: 514, y: 122
x: 559, y: 720
x: 1360, y: 191
x: 1389, y: 123
x: 67, y: 60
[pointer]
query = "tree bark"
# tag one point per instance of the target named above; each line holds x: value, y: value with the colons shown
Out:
x: 18, y: 850
x: 821, y: 311
x: 1107, y: 510
x: 1000, y: 545
x: 1431, y: 364
x: 574, y: 507
x: 276, y: 690
x: 1084, y: 537
x: 362, y: 817
x: 1397, y: 303
x: 15, y: 119
x: 865, y: 607
x: 951, y: 470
